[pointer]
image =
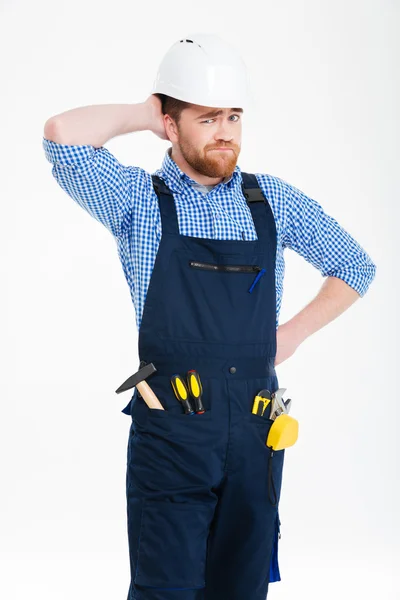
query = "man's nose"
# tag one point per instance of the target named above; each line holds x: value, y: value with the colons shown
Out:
x: 224, y: 135
x: 224, y: 132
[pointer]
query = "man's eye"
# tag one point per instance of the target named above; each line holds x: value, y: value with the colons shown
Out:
x: 214, y: 119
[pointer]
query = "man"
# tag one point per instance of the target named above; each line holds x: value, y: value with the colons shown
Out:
x: 201, y: 245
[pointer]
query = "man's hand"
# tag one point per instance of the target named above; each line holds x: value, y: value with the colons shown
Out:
x: 334, y: 297
x: 286, y: 343
x: 156, y: 117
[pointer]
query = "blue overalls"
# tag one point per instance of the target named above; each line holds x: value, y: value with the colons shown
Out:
x: 203, y: 489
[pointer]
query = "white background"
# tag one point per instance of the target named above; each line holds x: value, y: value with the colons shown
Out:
x: 325, y: 75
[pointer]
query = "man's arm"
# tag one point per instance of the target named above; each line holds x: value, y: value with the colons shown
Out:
x: 324, y: 243
x: 95, y: 125
x: 314, y: 234
x: 89, y: 173
x: 334, y: 297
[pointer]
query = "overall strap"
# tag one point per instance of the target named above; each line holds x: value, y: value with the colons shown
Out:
x: 260, y: 209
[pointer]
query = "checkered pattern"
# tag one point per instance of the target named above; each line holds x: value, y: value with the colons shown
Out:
x: 122, y: 198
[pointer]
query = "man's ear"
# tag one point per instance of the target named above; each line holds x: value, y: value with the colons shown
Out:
x: 171, y: 128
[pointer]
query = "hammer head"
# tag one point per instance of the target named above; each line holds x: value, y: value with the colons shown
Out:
x: 143, y: 373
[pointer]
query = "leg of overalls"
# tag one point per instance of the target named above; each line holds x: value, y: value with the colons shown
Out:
x: 243, y: 533
x: 170, y: 499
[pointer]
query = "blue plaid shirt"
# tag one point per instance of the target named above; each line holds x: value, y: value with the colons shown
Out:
x: 122, y: 198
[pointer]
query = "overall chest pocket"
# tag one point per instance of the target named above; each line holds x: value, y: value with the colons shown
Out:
x: 218, y: 299
x: 225, y: 268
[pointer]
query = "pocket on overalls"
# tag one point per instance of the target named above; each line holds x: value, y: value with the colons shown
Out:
x: 261, y: 426
x: 254, y: 386
x: 173, y: 410
x: 172, y: 544
x: 274, y: 574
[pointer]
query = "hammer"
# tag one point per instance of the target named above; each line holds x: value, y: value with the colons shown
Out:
x: 138, y: 380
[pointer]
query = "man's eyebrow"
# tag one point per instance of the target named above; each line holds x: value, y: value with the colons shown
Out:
x: 216, y: 113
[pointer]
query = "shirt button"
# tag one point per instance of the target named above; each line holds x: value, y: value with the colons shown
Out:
x: 232, y: 369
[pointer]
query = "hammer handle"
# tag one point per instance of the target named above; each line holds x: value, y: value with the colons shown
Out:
x: 148, y: 395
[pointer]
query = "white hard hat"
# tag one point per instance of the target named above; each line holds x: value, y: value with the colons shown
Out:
x: 204, y: 69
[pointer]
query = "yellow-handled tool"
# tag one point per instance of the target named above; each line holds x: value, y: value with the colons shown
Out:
x: 261, y: 401
x: 196, y: 390
x: 182, y: 393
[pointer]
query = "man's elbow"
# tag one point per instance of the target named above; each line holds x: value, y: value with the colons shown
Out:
x: 52, y: 130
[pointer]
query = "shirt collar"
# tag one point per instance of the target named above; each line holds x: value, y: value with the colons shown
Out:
x: 176, y: 179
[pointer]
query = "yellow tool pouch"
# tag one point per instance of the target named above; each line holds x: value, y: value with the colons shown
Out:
x: 283, y: 433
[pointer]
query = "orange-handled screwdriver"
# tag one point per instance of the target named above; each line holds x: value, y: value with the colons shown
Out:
x: 196, y: 390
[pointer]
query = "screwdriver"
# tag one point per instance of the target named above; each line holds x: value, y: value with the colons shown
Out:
x: 182, y: 393
x: 196, y: 390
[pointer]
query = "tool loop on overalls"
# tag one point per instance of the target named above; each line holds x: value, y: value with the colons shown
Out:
x: 271, y: 480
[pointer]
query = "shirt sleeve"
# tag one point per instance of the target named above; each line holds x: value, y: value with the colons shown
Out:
x: 97, y: 181
x: 323, y: 242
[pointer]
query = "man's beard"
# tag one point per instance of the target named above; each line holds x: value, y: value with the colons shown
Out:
x: 209, y: 162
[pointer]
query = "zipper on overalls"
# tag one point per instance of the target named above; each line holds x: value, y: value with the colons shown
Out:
x: 230, y: 268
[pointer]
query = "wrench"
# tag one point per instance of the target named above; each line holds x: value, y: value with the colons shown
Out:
x: 278, y: 405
